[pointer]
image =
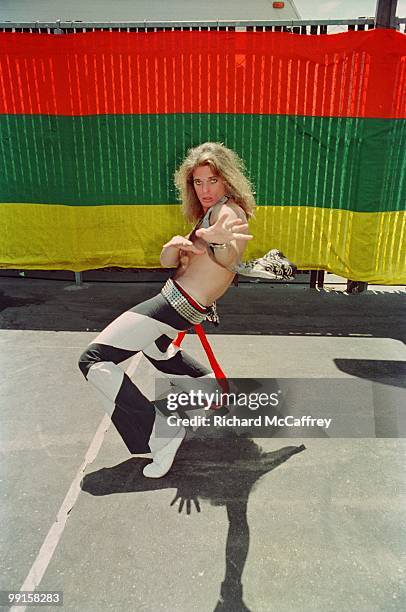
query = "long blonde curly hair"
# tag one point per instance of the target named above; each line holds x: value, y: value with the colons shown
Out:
x: 224, y: 162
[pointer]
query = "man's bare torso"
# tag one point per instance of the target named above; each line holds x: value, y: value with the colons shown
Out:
x: 199, y: 275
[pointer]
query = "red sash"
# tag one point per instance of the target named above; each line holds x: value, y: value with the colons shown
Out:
x: 218, y: 372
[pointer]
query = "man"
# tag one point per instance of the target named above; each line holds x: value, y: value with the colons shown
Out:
x: 214, y: 190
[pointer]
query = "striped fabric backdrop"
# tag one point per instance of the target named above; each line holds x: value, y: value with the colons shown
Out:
x: 93, y: 125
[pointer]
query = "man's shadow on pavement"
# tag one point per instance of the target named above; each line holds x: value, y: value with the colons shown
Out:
x: 223, y: 471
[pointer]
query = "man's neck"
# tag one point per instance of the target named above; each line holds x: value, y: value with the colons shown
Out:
x: 222, y: 200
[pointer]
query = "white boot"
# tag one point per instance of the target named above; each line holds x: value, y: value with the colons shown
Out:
x: 163, y: 449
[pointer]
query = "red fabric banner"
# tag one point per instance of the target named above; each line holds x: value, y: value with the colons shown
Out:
x: 352, y: 74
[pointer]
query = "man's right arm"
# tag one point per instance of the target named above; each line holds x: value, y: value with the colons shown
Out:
x: 170, y: 254
x: 169, y: 257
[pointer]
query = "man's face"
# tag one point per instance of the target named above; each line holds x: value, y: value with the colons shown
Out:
x: 209, y: 186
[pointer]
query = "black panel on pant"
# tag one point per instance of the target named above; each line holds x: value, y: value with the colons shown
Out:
x: 158, y: 308
x: 163, y: 342
x: 134, y: 417
x: 102, y: 352
x: 181, y: 364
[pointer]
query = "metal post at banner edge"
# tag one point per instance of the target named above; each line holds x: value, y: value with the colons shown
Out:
x: 385, y: 13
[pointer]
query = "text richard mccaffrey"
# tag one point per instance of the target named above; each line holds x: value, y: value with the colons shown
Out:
x: 253, y: 401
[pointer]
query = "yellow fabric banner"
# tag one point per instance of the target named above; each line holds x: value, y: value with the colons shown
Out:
x: 105, y: 236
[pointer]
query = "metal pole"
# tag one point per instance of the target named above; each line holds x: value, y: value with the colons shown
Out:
x: 58, y: 30
x: 385, y: 13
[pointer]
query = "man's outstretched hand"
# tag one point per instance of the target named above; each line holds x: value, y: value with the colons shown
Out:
x: 225, y: 230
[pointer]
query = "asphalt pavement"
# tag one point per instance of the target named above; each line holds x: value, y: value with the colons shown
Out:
x: 242, y: 522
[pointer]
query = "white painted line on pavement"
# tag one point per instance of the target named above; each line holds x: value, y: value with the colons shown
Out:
x: 47, y: 549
